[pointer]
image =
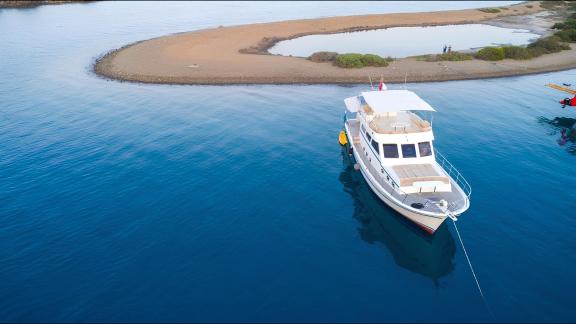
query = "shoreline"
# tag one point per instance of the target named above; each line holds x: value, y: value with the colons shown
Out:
x: 238, y: 54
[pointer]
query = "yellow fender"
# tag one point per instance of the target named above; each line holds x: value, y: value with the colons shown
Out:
x: 342, y: 139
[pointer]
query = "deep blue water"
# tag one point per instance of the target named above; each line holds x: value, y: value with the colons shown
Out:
x: 132, y: 202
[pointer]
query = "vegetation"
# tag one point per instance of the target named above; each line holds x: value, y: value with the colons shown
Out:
x: 490, y: 10
x: 452, y: 56
x: 566, y: 30
x: 491, y: 54
x: 517, y: 53
x: 373, y: 60
x: 320, y: 57
x: 547, y: 45
x: 354, y: 60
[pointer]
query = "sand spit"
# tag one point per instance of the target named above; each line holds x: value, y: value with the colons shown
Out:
x: 238, y: 54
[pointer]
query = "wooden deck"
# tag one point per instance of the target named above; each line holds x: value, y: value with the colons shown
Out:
x: 410, y: 173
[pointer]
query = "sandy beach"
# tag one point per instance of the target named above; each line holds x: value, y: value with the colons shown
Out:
x: 238, y: 54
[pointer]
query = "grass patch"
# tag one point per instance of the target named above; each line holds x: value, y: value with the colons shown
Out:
x: 354, y: 60
x: 529, y: 6
x: 490, y: 10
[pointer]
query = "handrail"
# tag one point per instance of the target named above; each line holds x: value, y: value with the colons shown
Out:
x: 452, y: 171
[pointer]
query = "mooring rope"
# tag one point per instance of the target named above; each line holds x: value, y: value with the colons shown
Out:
x: 473, y: 272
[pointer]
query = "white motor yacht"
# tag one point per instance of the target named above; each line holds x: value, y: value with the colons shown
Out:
x: 393, y: 148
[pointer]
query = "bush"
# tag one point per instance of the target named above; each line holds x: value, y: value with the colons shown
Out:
x: 489, y: 10
x: 353, y: 60
x: 568, y: 24
x: 323, y: 57
x: 491, y: 54
x: 452, y: 56
x: 568, y: 35
x: 373, y: 60
x: 536, y: 51
x: 550, y: 44
x: 516, y: 53
x: 350, y: 60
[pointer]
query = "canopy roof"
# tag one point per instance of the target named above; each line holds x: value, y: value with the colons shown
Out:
x: 388, y: 101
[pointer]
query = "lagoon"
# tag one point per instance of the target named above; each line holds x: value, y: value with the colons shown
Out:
x: 405, y: 41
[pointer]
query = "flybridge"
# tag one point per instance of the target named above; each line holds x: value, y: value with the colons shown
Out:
x: 388, y: 101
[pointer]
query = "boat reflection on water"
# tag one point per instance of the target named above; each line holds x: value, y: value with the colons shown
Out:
x: 431, y: 256
x: 565, y: 127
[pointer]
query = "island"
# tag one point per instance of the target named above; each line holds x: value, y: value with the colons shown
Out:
x: 238, y: 54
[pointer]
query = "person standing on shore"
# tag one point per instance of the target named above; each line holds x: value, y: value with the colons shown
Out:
x: 444, y: 50
x: 450, y: 49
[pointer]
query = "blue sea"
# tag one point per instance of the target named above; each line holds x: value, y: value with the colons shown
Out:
x: 127, y: 202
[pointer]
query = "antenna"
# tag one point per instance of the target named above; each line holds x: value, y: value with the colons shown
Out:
x: 405, y: 77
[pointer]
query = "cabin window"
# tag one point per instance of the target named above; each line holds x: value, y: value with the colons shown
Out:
x: 375, y: 146
x: 390, y: 151
x: 425, y: 149
x: 408, y: 150
x: 368, y: 137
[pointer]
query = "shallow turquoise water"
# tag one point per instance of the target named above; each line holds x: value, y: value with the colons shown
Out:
x: 394, y: 42
x: 132, y: 202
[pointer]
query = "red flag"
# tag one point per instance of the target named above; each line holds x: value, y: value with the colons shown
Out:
x: 381, y: 85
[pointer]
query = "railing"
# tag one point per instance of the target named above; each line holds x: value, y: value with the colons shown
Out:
x: 458, y: 177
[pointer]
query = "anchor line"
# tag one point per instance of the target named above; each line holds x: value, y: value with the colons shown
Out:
x: 473, y: 272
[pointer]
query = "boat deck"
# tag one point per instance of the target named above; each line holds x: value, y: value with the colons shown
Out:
x: 411, y: 173
x: 399, y: 123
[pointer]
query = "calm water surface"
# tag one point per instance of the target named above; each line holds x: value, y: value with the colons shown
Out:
x: 131, y: 202
x: 405, y: 41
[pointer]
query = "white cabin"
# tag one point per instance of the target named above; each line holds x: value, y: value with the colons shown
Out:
x: 397, y: 140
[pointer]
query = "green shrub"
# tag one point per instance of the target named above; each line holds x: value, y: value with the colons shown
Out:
x: 323, y: 57
x: 516, y: 52
x: 568, y: 24
x: 489, y: 10
x: 536, y: 51
x: 552, y: 44
x: 350, y: 60
x: 491, y: 54
x: 452, y: 56
x: 373, y: 60
x: 353, y: 60
x: 529, y: 6
x: 567, y: 35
